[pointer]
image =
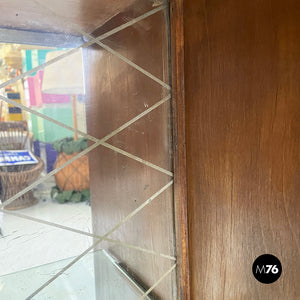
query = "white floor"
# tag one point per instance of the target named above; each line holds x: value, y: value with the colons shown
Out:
x: 77, y: 283
x: 26, y: 244
x: 31, y: 253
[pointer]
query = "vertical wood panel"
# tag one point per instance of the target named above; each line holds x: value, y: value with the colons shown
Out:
x: 117, y: 93
x: 242, y: 126
x: 179, y: 146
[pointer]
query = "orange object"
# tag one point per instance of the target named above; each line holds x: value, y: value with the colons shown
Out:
x: 75, y: 176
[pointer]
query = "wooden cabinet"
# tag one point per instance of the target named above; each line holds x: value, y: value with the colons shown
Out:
x: 242, y: 101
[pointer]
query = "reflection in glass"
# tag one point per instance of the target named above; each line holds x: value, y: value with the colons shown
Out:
x: 97, y: 121
x: 53, y: 144
x: 25, y: 244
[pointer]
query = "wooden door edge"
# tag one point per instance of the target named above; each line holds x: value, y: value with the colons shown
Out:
x: 179, y: 151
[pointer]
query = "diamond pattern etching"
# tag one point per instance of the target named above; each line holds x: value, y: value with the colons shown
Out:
x: 104, y: 142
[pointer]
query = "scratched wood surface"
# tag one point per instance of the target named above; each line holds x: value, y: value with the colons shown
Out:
x: 242, y: 80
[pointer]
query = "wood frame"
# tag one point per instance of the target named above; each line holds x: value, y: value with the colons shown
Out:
x: 180, y: 184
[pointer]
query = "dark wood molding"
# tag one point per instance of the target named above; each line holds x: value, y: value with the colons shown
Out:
x: 178, y: 110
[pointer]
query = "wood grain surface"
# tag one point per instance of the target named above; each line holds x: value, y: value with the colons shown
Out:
x: 242, y: 85
x: 179, y: 146
x: 116, y: 93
